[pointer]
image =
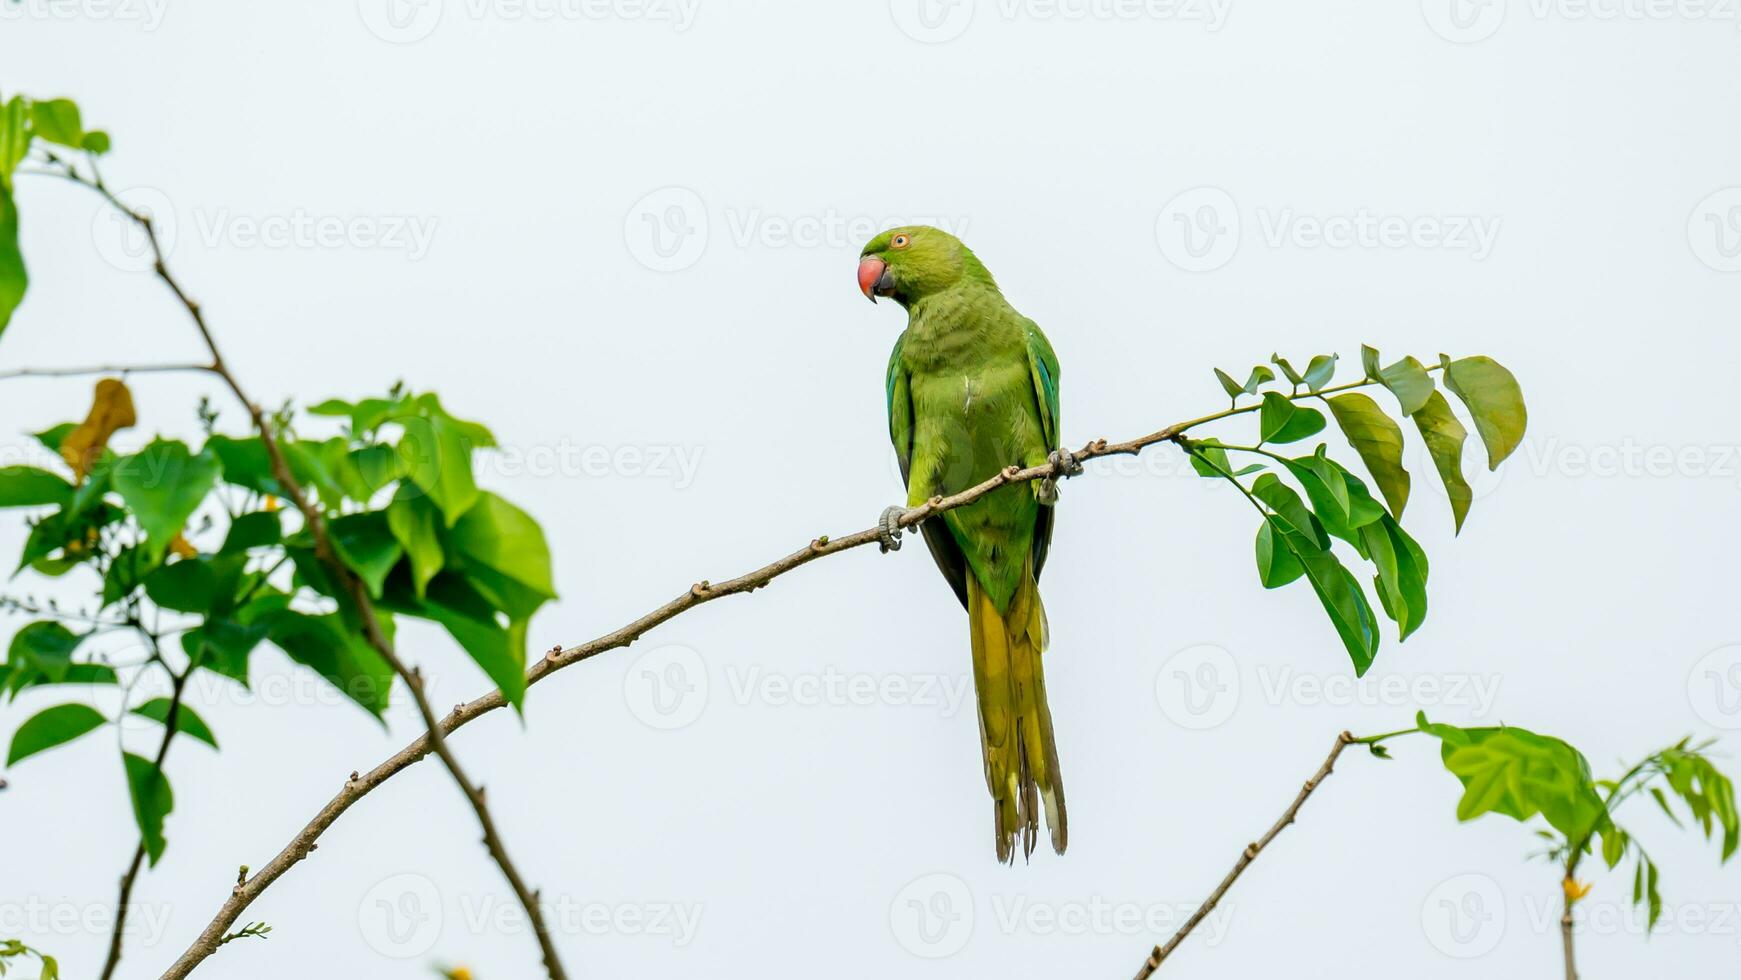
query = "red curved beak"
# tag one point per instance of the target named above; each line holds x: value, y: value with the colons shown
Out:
x: 870, y: 273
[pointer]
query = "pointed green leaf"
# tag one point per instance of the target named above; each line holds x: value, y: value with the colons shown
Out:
x: 1232, y: 387
x: 1409, y: 381
x: 1518, y: 773
x: 336, y: 652
x: 1444, y: 437
x: 367, y: 546
x: 1276, y: 564
x: 416, y: 523
x: 27, y: 486
x: 51, y: 727
x: 57, y: 120
x: 1369, y: 362
x: 14, y: 280
x: 1282, y: 421
x: 163, y: 484
x: 1378, y: 440
x: 501, y: 550
x: 152, y: 801
x: 1293, y: 376
x: 1495, y: 402
x: 437, y: 458
x: 1319, y: 372
x: 187, y: 722
x: 1259, y: 375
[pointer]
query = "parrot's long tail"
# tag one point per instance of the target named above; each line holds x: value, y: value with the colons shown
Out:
x: 1015, y: 725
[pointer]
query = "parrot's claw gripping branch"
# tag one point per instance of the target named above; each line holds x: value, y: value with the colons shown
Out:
x: 1064, y: 465
x: 889, y: 529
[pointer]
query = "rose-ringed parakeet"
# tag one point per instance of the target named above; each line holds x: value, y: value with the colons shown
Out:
x: 972, y: 388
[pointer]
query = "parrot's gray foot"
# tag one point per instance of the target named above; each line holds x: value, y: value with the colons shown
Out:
x: 889, y: 528
x: 1065, y: 461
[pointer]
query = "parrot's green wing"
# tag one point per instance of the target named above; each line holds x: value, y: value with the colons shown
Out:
x: 944, y: 550
x: 1043, y: 364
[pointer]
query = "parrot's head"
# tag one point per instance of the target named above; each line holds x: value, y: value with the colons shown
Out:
x: 915, y: 261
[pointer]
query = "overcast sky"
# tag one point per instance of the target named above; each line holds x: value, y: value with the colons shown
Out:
x: 623, y: 233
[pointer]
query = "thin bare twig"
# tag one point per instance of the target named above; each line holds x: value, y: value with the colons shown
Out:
x: 122, y: 369
x: 1246, y: 856
x: 354, y: 587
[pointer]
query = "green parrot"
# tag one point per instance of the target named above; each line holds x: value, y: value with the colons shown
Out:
x: 972, y: 388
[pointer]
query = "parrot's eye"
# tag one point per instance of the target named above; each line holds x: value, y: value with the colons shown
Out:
x: 900, y: 241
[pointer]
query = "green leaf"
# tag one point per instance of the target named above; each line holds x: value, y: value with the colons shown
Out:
x: 44, y: 648
x: 27, y: 486
x: 186, y: 721
x: 152, y: 801
x: 1208, y: 454
x: 96, y: 141
x: 54, y: 726
x: 1259, y: 375
x: 260, y: 529
x: 367, y: 546
x: 223, y: 646
x: 188, y: 585
x: 1369, y: 362
x: 1281, y: 421
x: 1495, y: 403
x: 1518, y: 773
x: 336, y: 652
x: 1276, y: 564
x: 1232, y: 387
x: 1290, y: 511
x: 369, y: 470
x: 500, y: 549
x: 1444, y: 437
x: 14, y: 280
x: 14, y: 138
x: 52, y: 438
x: 1654, y: 896
x: 1409, y: 381
x: 1613, y: 845
x: 1402, y: 573
x: 163, y: 484
x: 471, y: 619
x: 1288, y: 371
x: 1342, y: 599
x: 1378, y: 440
x: 57, y: 120
x: 245, y: 463
x: 416, y: 523
x: 437, y: 458
x: 1319, y: 372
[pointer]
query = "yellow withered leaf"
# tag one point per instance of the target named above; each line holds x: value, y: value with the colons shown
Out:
x: 1576, y: 890
x: 111, y: 411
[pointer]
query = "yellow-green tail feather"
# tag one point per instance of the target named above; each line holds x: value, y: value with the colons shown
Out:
x: 1015, y: 724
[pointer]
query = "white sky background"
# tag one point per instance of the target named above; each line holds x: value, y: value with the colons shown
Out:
x: 1591, y: 594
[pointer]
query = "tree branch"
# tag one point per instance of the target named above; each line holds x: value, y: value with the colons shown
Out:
x: 122, y: 369
x: 1246, y: 856
x: 354, y: 588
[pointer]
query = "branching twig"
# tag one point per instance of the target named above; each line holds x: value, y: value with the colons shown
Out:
x: 74, y: 372
x: 353, y: 585
x: 1246, y: 856
x: 170, y: 720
